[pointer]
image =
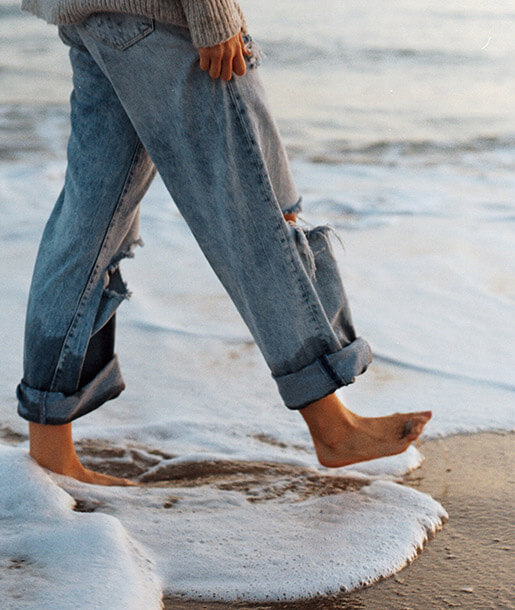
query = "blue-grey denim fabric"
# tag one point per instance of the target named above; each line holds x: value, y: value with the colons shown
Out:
x: 140, y: 102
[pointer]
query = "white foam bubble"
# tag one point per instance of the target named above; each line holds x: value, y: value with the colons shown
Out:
x: 64, y: 559
x: 215, y: 544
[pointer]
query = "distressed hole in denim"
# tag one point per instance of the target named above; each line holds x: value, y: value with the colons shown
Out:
x: 126, y: 251
x: 294, y: 208
x: 312, y: 243
x: 304, y: 249
x: 115, y: 289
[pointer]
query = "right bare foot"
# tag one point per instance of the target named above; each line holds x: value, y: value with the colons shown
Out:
x: 52, y: 448
x: 342, y: 437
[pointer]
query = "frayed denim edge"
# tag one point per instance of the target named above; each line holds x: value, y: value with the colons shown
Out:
x: 295, y: 208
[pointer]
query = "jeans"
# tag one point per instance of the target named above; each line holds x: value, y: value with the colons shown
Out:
x: 140, y: 103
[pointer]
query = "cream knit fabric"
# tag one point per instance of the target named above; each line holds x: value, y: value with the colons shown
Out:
x: 209, y: 21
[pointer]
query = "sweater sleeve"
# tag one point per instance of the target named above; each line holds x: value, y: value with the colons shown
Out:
x: 213, y: 21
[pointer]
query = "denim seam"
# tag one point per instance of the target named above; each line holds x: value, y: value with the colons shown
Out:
x: 93, y: 276
x: 149, y: 28
x: 42, y: 407
x: 267, y: 190
x: 326, y: 365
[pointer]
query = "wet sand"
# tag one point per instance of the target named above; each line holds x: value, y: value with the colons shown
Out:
x: 469, y: 564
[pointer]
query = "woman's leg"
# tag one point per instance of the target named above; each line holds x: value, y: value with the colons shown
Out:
x: 216, y: 149
x: 69, y: 363
x: 52, y: 447
x: 219, y: 154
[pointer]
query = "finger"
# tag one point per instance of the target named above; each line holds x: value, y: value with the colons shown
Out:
x: 204, y: 60
x: 238, y: 65
x: 215, y: 67
x: 227, y: 67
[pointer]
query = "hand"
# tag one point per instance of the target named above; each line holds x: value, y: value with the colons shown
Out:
x: 225, y: 58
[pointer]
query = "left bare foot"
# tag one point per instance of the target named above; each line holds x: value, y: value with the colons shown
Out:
x: 52, y: 448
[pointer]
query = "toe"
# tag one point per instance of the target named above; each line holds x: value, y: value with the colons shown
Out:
x: 415, y: 429
x: 425, y: 415
x: 407, y: 429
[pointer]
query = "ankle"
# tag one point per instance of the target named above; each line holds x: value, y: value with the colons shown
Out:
x: 56, y: 462
x: 329, y: 421
x: 52, y: 447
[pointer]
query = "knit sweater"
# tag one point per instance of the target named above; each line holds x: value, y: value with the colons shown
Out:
x: 209, y: 21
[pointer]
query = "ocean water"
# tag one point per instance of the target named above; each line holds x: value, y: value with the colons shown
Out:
x: 349, y: 82
x: 400, y: 125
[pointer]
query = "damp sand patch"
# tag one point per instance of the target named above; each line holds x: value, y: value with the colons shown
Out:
x: 11, y: 437
x: 257, y: 481
x: 129, y: 461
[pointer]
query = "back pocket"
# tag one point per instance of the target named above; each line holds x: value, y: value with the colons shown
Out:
x: 118, y: 30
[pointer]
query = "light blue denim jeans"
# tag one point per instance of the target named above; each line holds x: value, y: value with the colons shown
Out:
x: 140, y: 102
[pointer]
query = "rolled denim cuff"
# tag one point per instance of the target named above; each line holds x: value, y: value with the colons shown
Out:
x: 56, y: 408
x: 325, y: 375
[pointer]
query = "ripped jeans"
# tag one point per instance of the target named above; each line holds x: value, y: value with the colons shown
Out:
x: 140, y: 103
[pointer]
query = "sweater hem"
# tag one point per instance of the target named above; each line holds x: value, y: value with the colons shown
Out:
x: 209, y: 23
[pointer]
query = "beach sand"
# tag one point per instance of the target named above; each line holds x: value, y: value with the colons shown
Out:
x: 469, y: 564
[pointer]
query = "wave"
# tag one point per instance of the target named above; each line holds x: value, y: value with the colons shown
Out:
x: 418, y: 150
x: 418, y: 147
x: 36, y: 128
x: 439, y: 373
x: 29, y: 129
x: 294, y: 52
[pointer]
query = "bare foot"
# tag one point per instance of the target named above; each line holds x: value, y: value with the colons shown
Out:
x: 52, y: 448
x: 342, y: 437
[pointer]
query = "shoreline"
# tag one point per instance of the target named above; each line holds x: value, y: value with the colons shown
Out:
x: 468, y: 564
